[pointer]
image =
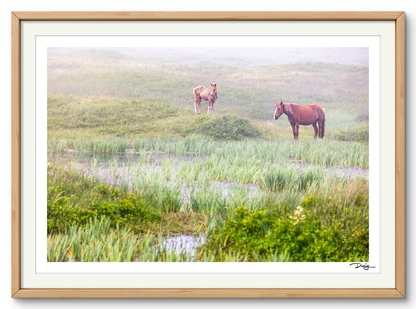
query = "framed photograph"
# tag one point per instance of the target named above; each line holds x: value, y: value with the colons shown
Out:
x: 214, y: 155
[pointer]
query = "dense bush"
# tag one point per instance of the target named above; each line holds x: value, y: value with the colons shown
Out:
x: 360, y: 134
x: 226, y: 127
x: 318, y: 230
x: 73, y: 199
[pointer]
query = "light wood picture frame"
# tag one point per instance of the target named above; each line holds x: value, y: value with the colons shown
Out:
x: 16, y: 195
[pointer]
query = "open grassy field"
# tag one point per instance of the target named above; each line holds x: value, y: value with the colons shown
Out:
x: 235, y: 179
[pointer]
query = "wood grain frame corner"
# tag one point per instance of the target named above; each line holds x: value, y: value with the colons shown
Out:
x: 18, y: 292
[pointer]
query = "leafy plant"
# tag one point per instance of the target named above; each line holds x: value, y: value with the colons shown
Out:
x: 320, y: 229
x: 360, y: 134
x: 73, y: 199
x: 226, y: 127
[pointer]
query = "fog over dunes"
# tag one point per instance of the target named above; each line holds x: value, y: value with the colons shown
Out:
x: 237, y: 56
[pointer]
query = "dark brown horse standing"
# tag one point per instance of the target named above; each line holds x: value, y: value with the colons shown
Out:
x: 207, y: 94
x: 305, y: 115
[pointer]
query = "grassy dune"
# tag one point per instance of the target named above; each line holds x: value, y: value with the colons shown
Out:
x: 108, y: 93
x: 249, y: 92
x: 73, y: 118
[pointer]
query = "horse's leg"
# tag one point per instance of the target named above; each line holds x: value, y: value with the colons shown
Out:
x: 297, y: 131
x: 199, y: 104
x: 294, y: 130
x: 322, y: 128
x: 209, y: 107
x: 196, y: 104
x: 319, y: 129
x: 315, y: 128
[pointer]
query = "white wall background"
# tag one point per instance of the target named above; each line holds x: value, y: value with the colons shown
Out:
x: 7, y: 6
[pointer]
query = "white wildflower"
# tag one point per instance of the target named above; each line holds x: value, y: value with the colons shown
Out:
x: 298, y: 215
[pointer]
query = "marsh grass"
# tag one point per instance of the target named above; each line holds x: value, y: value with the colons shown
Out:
x: 162, y: 206
x: 228, y: 153
x: 97, y: 242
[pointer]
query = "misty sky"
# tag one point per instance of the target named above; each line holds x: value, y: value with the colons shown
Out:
x: 233, y: 56
x: 261, y: 56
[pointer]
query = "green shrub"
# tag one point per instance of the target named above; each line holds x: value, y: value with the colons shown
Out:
x: 317, y: 230
x: 226, y: 127
x: 360, y: 134
x: 73, y: 199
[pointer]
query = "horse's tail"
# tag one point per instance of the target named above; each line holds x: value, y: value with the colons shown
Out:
x: 323, y: 124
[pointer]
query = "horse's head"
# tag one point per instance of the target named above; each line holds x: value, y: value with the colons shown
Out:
x: 278, y: 110
x: 213, y: 89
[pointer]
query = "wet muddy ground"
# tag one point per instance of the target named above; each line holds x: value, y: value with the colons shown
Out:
x: 156, y: 158
x: 184, y: 243
x: 116, y: 169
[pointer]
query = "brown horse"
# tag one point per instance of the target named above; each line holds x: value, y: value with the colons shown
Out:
x: 207, y: 94
x: 305, y: 115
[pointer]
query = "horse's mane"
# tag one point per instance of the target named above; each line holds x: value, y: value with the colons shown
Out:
x: 288, y: 107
